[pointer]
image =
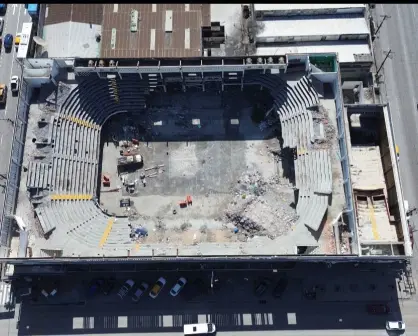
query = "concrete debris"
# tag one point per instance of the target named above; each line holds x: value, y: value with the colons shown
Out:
x: 320, y: 116
x: 261, y: 208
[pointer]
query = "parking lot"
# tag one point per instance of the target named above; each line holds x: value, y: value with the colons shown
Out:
x: 233, y: 303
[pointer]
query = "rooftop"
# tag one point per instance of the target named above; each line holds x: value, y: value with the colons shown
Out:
x: 83, y: 13
x: 313, y: 27
x: 72, y: 39
x: 70, y: 30
x: 345, y: 49
x: 287, y: 6
x: 164, y: 30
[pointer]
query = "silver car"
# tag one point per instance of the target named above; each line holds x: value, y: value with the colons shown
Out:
x: 178, y: 286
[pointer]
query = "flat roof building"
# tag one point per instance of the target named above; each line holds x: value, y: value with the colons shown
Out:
x: 275, y: 9
x: 164, y: 30
x: 313, y: 29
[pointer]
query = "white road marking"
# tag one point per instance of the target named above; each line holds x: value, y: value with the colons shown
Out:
x: 25, y: 11
x: 14, y: 8
x: 1, y: 139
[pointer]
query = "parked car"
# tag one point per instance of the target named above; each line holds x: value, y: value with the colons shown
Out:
x: 280, y: 287
x: 181, y: 282
x: 14, y: 84
x: 50, y: 289
x: 158, y: 286
x: 126, y: 287
x: 8, y: 41
x: 142, y: 288
x: 378, y: 308
x: 1, y: 25
x: 95, y: 286
x: 261, y: 287
x: 108, y: 286
x: 395, y: 325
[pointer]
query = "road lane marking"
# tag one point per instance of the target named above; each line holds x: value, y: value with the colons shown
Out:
x: 1, y: 139
x: 14, y: 8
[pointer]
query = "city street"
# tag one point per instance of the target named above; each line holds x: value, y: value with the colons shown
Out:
x: 340, y: 306
x: 14, y: 18
x: 400, y: 88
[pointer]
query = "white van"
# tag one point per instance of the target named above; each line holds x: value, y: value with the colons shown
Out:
x: 199, y: 329
x: 395, y: 325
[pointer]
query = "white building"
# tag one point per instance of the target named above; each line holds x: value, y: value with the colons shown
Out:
x: 313, y: 28
x: 262, y: 10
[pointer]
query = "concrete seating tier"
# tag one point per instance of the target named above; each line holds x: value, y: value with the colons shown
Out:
x: 84, y: 223
x: 72, y: 174
x: 313, y: 172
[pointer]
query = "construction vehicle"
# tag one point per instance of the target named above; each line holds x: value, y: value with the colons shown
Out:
x: 3, y: 93
x: 131, y: 162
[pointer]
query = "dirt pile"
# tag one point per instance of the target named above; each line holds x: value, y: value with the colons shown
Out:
x: 260, y: 207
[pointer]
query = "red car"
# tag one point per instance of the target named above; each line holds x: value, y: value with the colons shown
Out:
x: 378, y: 309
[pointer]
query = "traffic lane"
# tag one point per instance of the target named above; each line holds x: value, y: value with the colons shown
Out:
x: 24, y: 17
x: 333, y: 280
x: 403, y: 107
x: 14, y: 19
x: 6, y: 133
x: 234, y: 302
x: 400, y: 91
x: 404, y: 65
x: 58, y: 320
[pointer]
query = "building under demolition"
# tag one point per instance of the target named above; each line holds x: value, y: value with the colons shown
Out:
x: 272, y: 157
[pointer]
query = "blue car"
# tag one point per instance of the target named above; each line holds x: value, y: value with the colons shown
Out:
x: 8, y: 41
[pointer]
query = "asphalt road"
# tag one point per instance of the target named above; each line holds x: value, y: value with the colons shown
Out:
x: 233, y: 307
x: 14, y: 18
x: 400, y: 76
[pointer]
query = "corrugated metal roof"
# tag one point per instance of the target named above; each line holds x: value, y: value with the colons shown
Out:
x: 83, y: 13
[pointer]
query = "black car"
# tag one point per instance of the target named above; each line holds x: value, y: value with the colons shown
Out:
x: 280, y: 287
x: 261, y: 287
x: 108, y: 286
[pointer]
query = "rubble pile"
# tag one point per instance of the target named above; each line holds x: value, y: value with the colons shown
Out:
x: 320, y: 116
x: 260, y: 207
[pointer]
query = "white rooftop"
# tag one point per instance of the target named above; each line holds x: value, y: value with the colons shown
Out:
x: 281, y: 6
x: 72, y: 39
x: 313, y: 27
x: 228, y: 15
x: 345, y: 51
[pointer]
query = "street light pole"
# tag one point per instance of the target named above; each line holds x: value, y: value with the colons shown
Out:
x: 381, y: 23
x: 388, y: 54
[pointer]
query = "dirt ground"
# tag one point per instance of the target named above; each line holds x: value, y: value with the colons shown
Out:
x: 231, y: 171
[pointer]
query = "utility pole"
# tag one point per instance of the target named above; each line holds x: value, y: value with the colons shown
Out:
x: 388, y: 54
x: 381, y: 23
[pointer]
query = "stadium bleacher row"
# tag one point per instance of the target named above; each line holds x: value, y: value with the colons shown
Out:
x: 313, y: 171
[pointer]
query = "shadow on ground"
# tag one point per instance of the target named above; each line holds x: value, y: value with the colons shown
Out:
x: 341, y: 302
